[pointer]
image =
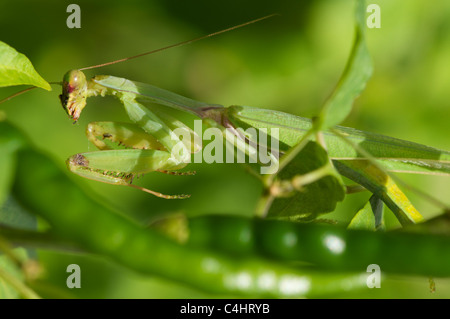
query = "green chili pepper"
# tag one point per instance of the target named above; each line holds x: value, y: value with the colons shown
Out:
x: 39, y: 184
x: 327, y: 247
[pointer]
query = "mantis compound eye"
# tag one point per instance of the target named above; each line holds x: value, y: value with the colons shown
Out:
x: 73, y: 97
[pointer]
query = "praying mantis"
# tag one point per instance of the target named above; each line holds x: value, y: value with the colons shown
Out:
x: 149, y: 141
x: 151, y: 144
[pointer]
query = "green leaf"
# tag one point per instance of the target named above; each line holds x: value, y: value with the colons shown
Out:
x: 11, y: 213
x: 370, y: 217
x: 354, y: 79
x: 16, y: 69
x: 12, y: 278
x: 14, y: 215
x: 315, y: 198
x: 374, y: 179
x: 6, y: 264
x: 11, y: 140
x: 7, y: 169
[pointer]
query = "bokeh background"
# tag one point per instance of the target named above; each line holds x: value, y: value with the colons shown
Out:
x: 290, y: 63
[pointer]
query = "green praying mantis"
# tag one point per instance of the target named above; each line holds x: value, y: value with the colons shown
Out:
x: 152, y: 144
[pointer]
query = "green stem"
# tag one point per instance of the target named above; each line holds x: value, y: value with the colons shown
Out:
x: 301, y: 180
x: 352, y: 189
x: 373, y: 161
x: 6, y: 248
x: 21, y: 288
x: 29, y: 238
x: 263, y: 205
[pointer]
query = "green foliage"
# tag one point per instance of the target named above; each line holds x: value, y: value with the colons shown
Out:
x: 7, y: 265
x: 16, y: 69
x: 12, y: 215
x: 353, y: 81
x: 308, y: 201
x: 7, y: 167
x: 370, y: 217
x: 10, y: 142
x: 82, y: 223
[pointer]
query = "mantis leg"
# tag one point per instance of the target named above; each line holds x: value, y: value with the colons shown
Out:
x: 156, y: 127
x: 127, y: 151
x: 116, y: 135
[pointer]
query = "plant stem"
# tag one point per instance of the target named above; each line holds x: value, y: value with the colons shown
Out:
x: 21, y: 288
x: 35, y: 239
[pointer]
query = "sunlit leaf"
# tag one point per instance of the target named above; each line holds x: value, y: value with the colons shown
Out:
x: 7, y: 266
x: 370, y: 217
x: 354, y: 79
x: 16, y: 69
x: 383, y: 186
x: 314, y: 199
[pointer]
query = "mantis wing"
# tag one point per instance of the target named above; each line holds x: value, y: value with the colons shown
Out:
x: 153, y: 94
x: 394, y: 154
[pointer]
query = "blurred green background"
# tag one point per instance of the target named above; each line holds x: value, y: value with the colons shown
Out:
x: 290, y: 63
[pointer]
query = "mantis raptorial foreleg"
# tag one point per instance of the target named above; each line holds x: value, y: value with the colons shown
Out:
x: 150, y: 144
x: 113, y: 135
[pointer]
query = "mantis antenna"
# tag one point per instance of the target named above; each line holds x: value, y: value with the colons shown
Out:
x: 179, y: 43
x: 17, y: 94
x: 150, y: 52
x: 24, y: 91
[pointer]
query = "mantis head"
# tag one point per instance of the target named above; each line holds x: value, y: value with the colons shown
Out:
x: 73, y: 97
